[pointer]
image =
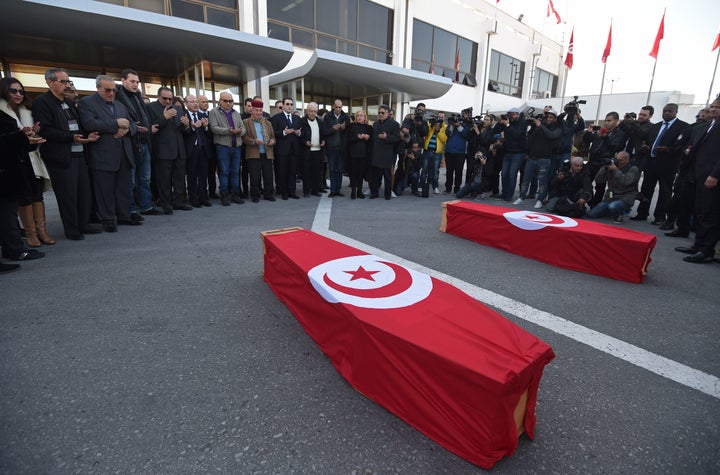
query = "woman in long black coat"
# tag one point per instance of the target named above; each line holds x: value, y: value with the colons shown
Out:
x: 359, y: 137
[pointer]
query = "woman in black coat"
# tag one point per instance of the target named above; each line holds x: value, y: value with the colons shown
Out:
x: 359, y: 137
x: 16, y: 173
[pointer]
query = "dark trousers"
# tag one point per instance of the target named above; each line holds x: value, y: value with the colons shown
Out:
x: 311, y: 172
x: 381, y: 174
x: 196, y: 168
x: 112, y: 193
x: 682, y: 203
x: 707, y: 210
x: 244, y: 176
x: 260, y: 171
x: 453, y: 171
x: 285, y: 175
x: 594, y: 167
x: 211, y: 172
x: 72, y: 191
x: 170, y: 177
x: 10, y: 239
x: 662, y: 176
x: 358, y: 166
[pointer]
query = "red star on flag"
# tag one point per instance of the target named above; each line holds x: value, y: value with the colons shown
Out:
x: 361, y: 273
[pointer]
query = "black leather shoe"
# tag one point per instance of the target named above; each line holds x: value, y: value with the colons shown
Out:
x: 151, y: 212
x: 28, y: 255
x: 195, y: 204
x: 183, y: 207
x: 678, y: 233
x: 269, y: 198
x: 128, y: 222
x: 339, y: 194
x: 667, y: 226
x: 237, y: 198
x: 698, y: 258
x: 75, y: 237
x: 167, y: 210
x: 638, y: 218
x: 109, y: 228
x: 285, y: 197
x: 206, y: 203
x: 294, y: 196
x: 135, y: 216
x: 687, y: 250
x: 5, y: 268
x: 316, y: 194
x: 92, y: 229
x: 656, y: 222
x: 332, y: 194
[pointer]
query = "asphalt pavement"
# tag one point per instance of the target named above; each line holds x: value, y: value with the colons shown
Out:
x: 160, y: 349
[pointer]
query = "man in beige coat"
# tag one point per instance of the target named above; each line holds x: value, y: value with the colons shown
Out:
x: 259, y: 141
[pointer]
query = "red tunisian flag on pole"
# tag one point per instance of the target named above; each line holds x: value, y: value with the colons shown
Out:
x: 658, y: 37
x: 717, y: 42
x: 606, y: 53
x: 551, y: 9
x: 569, y: 57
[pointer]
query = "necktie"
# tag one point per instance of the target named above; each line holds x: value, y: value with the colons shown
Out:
x: 657, y: 140
x: 289, y: 119
x: 111, y: 106
x: 194, y: 117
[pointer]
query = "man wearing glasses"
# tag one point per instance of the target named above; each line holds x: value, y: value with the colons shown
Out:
x: 386, y: 134
x: 227, y: 128
x: 335, y: 124
x: 64, y: 155
x: 111, y: 156
x: 286, y: 126
x: 169, y: 151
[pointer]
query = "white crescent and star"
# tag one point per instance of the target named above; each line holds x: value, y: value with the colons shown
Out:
x: 370, y: 282
x: 531, y: 221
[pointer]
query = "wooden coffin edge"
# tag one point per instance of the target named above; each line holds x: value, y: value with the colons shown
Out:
x: 443, y: 219
x: 272, y: 232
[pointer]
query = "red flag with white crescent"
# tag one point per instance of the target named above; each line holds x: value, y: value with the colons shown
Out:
x: 569, y: 57
x: 429, y: 353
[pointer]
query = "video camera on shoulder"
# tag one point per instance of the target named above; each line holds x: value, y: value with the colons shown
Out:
x: 572, y: 108
x: 609, y: 161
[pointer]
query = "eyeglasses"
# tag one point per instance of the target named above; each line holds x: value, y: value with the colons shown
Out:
x: 382, y: 112
x: 227, y: 100
x: 12, y: 90
x: 109, y: 89
x: 166, y: 98
x: 67, y: 82
x: 288, y: 103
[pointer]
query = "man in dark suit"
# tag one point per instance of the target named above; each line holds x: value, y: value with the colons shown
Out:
x: 169, y: 151
x: 668, y: 140
x: 386, y: 133
x: 197, y: 146
x: 212, y: 159
x: 63, y: 154
x: 111, y: 156
x: 706, y: 158
x: 286, y: 126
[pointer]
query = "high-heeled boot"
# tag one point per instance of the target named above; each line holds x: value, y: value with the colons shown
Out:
x: 28, y: 222
x: 39, y: 214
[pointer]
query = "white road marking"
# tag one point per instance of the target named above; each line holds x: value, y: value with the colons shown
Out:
x: 635, y: 355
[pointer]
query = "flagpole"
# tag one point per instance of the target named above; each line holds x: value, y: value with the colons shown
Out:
x: 602, y: 85
x: 712, y: 82
x: 652, y: 79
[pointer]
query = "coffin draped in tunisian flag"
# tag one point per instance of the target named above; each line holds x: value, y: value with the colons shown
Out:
x: 449, y: 366
x: 579, y: 245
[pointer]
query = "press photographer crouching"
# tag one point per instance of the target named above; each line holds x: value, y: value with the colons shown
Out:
x: 409, y: 163
x: 621, y: 179
x: 479, y: 182
x: 570, y: 189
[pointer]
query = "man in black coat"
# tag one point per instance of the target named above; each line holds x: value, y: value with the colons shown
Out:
x: 706, y: 155
x: 668, y: 140
x: 286, y: 126
x: 386, y: 133
x: 64, y: 154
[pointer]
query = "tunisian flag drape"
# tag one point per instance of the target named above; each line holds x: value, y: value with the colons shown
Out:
x: 446, y: 364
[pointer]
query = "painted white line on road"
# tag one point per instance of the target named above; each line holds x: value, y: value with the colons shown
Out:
x: 635, y: 355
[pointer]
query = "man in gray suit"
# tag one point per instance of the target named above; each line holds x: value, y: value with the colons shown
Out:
x: 169, y: 151
x: 111, y: 156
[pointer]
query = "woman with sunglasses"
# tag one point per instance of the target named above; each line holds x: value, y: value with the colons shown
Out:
x: 15, y: 103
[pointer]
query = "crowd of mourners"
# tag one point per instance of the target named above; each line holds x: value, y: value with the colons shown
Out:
x: 115, y: 157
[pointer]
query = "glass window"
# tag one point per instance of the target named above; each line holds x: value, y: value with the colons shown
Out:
x: 347, y: 47
x: 279, y: 32
x: 337, y: 17
x: 187, y: 10
x: 326, y: 42
x: 223, y: 3
x: 436, y: 51
x: 303, y: 38
x: 422, y: 41
x: 293, y: 12
x: 222, y: 18
x: 375, y: 24
x: 157, y: 6
x: 506, y: 74
x: 545, y: 84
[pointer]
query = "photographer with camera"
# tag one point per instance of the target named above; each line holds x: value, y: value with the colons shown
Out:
x: 570, y: 190
x: 515, y: 147
x: 457, y: 133
x: 621, y: 179
x: 434, y: 146
x: 408, y: 169
x: 542, y: 137
x: 571, y: 123
x: 604, y: 142
x: 479, y: 182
